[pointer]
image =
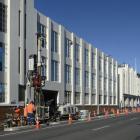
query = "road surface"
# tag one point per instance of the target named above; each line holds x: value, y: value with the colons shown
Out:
x: 118, y: 128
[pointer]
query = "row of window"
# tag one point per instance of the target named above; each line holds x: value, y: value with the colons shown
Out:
x: 3, y: 17
x: 3, y: 89
x: 111, y: 99
x: 68, y: 47
x: 77, y: 78
x: 3, y: 57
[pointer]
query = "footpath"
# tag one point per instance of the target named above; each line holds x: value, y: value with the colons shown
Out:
x: 66, y: 122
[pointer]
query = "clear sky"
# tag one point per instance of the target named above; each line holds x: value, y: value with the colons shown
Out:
x: 113, y: 26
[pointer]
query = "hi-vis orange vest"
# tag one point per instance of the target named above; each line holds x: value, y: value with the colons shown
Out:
x: 25, y: 111
x: 30, y: 108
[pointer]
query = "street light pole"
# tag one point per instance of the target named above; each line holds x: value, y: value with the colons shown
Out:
x: 98, y: 106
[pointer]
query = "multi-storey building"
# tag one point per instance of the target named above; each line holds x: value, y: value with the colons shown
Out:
x: 77, y: 73
x: 129, y: 86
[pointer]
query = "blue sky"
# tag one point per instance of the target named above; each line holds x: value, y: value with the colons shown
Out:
x: 113, y: 26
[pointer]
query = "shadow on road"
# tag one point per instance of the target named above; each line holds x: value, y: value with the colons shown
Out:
x: 138, y: 124
x: 138, y: 137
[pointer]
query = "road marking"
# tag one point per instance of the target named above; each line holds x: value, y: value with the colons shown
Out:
x: 96, y: 129
x: 14, y: 133
x: 33, y: 130
x: 133, y: 119
x: 59, y: 125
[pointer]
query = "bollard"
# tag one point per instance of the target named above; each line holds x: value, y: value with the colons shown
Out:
x: 70, y: 120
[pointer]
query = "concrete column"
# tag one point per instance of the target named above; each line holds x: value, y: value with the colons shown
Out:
x: 73, y: 69
x: 90, y: 73
x: 22, y: 41
x: 82, y: 74
x: 97, y: 79
x: 62, y: 63
x: 49, y: 49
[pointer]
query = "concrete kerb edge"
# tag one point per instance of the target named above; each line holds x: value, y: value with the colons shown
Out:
x: 57, y: 123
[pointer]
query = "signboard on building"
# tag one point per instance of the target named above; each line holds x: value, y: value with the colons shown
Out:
x: 31, y: 63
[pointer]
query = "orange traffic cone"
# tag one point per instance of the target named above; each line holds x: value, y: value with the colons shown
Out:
x: 118, y: 113
x: 94, y: 114
x: 89, y: 117
x: 37, y: 123
x: 106, y: 114
x: 70, y: 119
x: 126, y: 112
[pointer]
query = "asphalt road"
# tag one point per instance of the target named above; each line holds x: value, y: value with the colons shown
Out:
x: 120, y: 128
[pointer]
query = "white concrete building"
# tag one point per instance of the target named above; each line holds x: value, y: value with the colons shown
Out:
x: 77, y: 73
x: 129, y: 86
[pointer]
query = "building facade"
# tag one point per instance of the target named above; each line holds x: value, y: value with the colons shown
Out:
x: 76, y: 72
x: 129, y: 86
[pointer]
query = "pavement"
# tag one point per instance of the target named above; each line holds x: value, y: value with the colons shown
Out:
x: 115, y: 128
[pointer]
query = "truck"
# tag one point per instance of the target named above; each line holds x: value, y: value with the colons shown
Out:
x: 66, y: 110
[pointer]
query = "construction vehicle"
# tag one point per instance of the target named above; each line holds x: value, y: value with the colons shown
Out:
x: 66, y: 110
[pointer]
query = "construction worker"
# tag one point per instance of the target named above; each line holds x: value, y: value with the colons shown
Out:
x: 17, y: 114
x: 25, y: 114
x: 30, y: 114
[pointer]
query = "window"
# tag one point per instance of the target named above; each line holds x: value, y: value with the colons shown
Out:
x: 3, y: 89
x: 77, y: 52
x: 67, y: 97
x: 77, y: 97
x: 67, y: 48
x: 19, y: 59
x: 114, y: 72
x: 105, y: 66
x: 86, y: 79
x: 114, y: 100
x: 43, y: 70
x: 25, y: 61
x: 3, y: 17
x: 19, y: 12
x: 25, y: 18
x: 100, y: 99
x: 110, y: 99
x: 105, y: 99
x: 100, y: 83
x: 114, y: 87
x: 68, y: 73
x: 93, y: 81
x: 100, y: 64
x: 54, y: 41
x: 86, y: 56
x: 21, y: 92
x: 2, y: 57
x: 105, y: 85
x: 94, y: 59
x: 42, y: 30
x: 86, y: 98
x: 77, y: 76
x: 55, y: 70
x: 93, y: 98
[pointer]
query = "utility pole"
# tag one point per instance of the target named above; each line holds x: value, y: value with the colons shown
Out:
x: 98, y: 106
x: 35, y: 77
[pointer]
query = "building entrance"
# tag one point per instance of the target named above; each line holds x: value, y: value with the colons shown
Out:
x: 50, y: 99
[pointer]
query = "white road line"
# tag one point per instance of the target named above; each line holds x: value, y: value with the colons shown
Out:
x: 33, y: 130
x: 96, y: 129
x: 14, y: 133
x: 133, y: 119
